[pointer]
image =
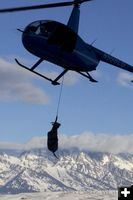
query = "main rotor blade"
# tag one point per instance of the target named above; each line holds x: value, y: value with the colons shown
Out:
x: 82, y: 1
x: 52, y: 5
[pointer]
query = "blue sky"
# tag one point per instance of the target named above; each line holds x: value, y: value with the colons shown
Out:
x: 28, y: 104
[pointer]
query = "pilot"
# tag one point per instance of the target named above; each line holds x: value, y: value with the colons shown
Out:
x: 44, y: 30
x: 52, y: 141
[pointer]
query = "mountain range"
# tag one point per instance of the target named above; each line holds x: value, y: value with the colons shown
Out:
x: 37, y: 170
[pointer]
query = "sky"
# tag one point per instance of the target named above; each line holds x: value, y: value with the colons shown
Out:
x: 28, y: 103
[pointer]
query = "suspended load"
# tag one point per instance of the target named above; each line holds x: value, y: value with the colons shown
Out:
x: 52, y: 141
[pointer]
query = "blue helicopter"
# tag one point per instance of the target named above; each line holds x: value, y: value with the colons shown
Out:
x: 60, y: 44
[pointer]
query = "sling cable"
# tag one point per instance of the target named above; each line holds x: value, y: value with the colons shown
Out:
x: 52, y: 137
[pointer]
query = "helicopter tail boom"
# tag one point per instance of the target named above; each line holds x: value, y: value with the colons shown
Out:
x: 105, y: 57
x: 116, y: 62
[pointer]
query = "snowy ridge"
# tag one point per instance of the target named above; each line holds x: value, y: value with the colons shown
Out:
x: 104, y: 195
x: 37, y: 171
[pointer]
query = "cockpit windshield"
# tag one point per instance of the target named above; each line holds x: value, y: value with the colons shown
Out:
x: 43, y: 28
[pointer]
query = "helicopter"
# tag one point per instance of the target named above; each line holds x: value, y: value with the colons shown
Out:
x: 60, y: 44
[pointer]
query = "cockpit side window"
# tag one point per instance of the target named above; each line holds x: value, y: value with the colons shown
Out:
x: 31, y: 29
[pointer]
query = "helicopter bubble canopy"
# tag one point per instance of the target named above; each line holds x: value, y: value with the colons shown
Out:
x: 41, y: 28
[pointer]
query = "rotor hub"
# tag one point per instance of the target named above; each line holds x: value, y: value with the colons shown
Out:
x: 76, y: 3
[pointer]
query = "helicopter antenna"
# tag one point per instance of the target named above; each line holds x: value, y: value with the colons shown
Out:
x: 112, y: 51
x: 93, y: 42
x: 42, y: 6
x: 18, y: 29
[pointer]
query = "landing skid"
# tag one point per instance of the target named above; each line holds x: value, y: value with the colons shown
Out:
x: 54, y: 82
x: 87, y: 75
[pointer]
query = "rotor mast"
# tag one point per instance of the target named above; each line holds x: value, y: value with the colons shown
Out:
x: 73, y: 22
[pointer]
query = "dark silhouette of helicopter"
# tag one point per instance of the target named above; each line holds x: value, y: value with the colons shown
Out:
x: 60, y: 44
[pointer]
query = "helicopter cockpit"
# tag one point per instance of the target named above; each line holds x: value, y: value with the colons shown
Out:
x: 42, y: 28
x: 54, y: 32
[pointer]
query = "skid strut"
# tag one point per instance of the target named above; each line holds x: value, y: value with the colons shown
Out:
x: 54, y: 82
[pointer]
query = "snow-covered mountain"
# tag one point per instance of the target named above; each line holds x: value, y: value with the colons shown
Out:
x: 77, y: 195
x: 37, y: 170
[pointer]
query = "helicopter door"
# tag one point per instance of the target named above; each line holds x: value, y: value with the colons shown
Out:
x: 64, y: 37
